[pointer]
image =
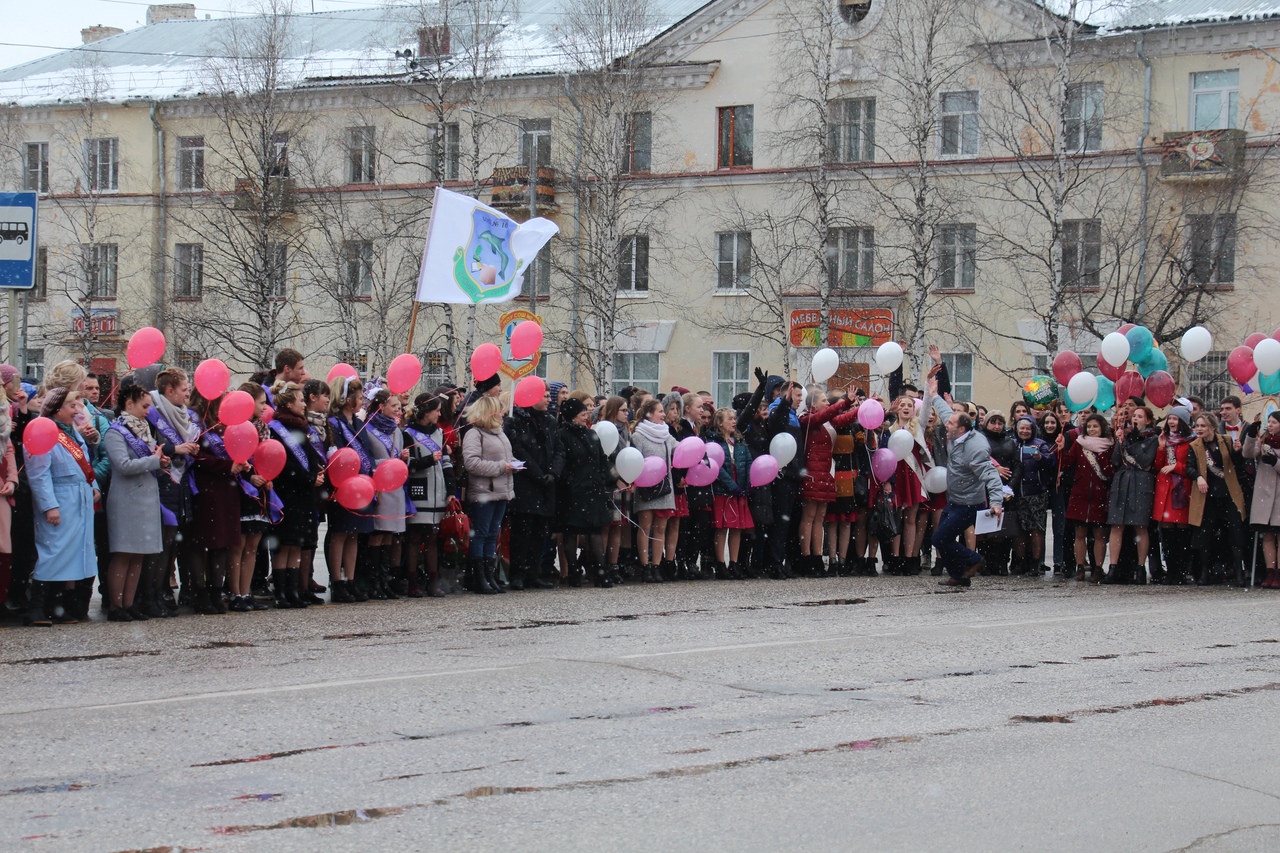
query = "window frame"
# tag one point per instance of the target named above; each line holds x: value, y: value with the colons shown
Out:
x: 1221, y: 237
x: 637, y: 139
x: 1231, y: 102
x: 1209, y: 379
x: 357, y: 270
x: 444, y: 159
x: 188, y: 273
x: 1082, y: 243
x: 735, y: 268
x: 959, y: 265
x: 964, y: 131
x: 864, y: 250
x: 101, y: 271
x: 34, y: 367
x: 632, y: 250
x: 362, y: 155
x: 277, y: 272
x: 40, y: 184
x: 842, y: 147
x: 651, y: 385
x: 534, y: 136
x: 736, y: 385
x: 93, y: 163
x: 950, y: 360
x: 537, y: 277
x: 727, y: 136
x: 40, y: 292
x: 1082, y: 133
x: 190, y: 165
x: 359, y: 359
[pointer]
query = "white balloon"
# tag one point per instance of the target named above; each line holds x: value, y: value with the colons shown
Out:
x: 825, y: 362
x: 783, y: 448
x: 901, y: 442
x: 1083, y: 388
x: 935, y: 481
x: 1266, y: 356
x: 889, y: 357
x: 630, y: 464
x: 608, y: 432
x: 1115, y: 349
x: 1196, y: 343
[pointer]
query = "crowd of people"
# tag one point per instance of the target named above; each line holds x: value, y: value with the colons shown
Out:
x: 148, y: 501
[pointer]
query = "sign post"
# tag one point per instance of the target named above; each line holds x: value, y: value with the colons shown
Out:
x: 17, y: 256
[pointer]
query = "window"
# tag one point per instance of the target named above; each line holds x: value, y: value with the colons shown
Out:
x: 537, y: 278
x: 102, y: 164
x: 540, y: 369
x: 851, y: 255
x: 637, y: 139
x: 730, y: 375
x: 33, y: 363
x: 359, y: 359
x: 361, y: 153
x: 1083, y: 129
x: 854, y: 11
x: 41, y: 290
x: 278, y: 156
x: 535, y: 142
x: 1212, y: 248
x: 637, y: 369
x: 1210, y: 380
x: 189, y: 360
x: 100, y: 270
x: 436, y: 368
x: 1081, y: 254
x: 957, y: 257
x: 853, y: 131
x: 733, y: 264
x: 1215, y: 99
x: 190, y: 163
x: 443, y: 152
x: 960, y: 369
x: 35, y: 174
x: 357, y: 269
x: 633, y: 264
x: 277, y: 272
x: 737, y: 137
x: 959, y: 135
x: 188, y: 270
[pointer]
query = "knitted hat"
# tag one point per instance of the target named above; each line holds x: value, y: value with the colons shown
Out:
x: 53, y: 401
x: 571, y: 408
x: 485, y: 385
x: 553, y: 408
x: 7, y: 373
x: 994, y: 413
x: 1182, y: 413
x: 679, y: 390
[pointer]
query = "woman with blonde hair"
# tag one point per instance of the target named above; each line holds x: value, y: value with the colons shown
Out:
x: 732, y: 512
x: 487, y: 457
x: 655, y: 505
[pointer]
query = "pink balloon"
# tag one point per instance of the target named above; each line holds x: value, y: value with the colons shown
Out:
x: 146, y: 347
x: 883, y: 464
x: 356, y: 493
x: 485, y: 361
x: 655, y: 468
x: 1160, y: 389
x: 764, y: 469
x: 343, y: 465
x: 702, y: 474
x: 871, y: 414
x: 390, y: 475
x: 715, y: 452
x: 268, y: 459
x: 241, y: 440
x: 403, y: 373
x: 529, y: 391
x: 689, y: 452
x: 212, y: 378
x: 1252, y: 341
x: 341, y: 369
x: 268, y: 414
x: 1240, y: 364
x: 236, y: 408
x: 526, y: 339
x: 40, y: 436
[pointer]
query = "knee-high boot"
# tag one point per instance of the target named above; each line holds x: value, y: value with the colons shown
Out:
x: 37, y: 598
x: 384, y: 573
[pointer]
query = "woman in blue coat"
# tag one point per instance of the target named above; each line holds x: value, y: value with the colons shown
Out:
x: 64, y: 491
x: 732, y: 511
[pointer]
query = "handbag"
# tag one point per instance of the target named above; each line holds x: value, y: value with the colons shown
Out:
x: 885, y: 520
x: 455, y: 526
x: 652, y: 493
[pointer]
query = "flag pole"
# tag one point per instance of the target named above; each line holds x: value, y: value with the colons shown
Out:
x: 413, y: 322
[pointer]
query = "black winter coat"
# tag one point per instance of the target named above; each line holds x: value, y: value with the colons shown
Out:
x: 534, y: 441
x: 1005, y: 450
x: 585, y: 484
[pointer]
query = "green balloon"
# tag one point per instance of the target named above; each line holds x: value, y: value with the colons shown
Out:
x: 1040, y: 392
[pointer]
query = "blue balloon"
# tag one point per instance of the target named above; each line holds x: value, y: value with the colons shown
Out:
x: 1270, y: 384
x: 1155, y: 360
x: 1106, y: 398
x: 1140, y: 341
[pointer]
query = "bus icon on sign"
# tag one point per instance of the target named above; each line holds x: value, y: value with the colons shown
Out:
x: 19, y: 232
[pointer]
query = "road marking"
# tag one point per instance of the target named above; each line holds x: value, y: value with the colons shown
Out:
x: 768, y: 645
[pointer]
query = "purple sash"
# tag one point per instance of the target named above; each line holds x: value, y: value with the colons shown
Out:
x: 353, y: 441
x: 275, y: 506
x: 317, y: 441
x: 423, y: 439
x: 139, y: 449
x: 299, y: 452
x: 170, y: 433
x: 389, y: 443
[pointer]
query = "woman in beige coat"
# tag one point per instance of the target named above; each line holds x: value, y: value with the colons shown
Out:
x: 1262, y: 442
x: 487, y: 458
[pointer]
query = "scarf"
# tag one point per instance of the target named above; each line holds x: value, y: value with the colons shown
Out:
x: 1269, y: 440
x: 658, y: 433
x: 384, y: 429
x: 174, y: 423
x: 139, y: 428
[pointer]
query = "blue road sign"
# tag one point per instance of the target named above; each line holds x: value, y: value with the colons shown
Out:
x: 17, y: 241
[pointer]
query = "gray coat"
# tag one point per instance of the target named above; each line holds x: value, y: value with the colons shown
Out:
x: 1265, y: 509
x: 485, y: 455
x: 1133, y: 486
x: 662, y: 451
x: 133, y: 502
x: 390, y: 509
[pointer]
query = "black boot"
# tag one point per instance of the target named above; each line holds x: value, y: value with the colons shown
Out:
x: 373, y: 572
x: 491, y: 574
x: 37, y: 616
x: 1117, y: 576
x: 292, y: 588
x: 280, y: 588
x: 384, y: 574
x: 600, y: 576
x: 338, y: 593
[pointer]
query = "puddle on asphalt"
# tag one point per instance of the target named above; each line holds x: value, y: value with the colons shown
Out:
x: 362, y: 635
x: 269, y: 756
x: 222, y: 644
x: 829, y: 602
x: 76, y: 658
x: 397, y: 778
x: 1040, y: 718
x: 260, y: 798
x: 1159, y: 703
x: 55, y: 788
x: 1099, y: 657
x: 532, y: 623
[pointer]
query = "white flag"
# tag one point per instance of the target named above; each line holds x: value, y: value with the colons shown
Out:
x: 477, y: 254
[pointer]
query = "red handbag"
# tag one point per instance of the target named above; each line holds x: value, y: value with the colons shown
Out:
x: 455, y: 527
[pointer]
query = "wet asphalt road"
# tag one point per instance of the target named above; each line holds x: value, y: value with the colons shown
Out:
x: 764, y: 715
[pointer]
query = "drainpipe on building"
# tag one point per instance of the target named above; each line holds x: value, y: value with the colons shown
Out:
x: 1144, y: 178
x: 577, y: 228
x: 161, y: 222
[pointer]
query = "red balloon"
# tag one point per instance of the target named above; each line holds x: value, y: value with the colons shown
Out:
x: 268, y: 459
x: 236, y: 408
x: 1276, y: 334
x: 1126, y: 327
x: 343, y: 465
x: 1110, y: 370
x: 146, y: 347
x: 212, y: 378
x: 390, y: 475
x: 526, y: 339
x: 1065, y: 365
x: 342, y: 369
x: 529, y: 391
x: 241, y: 440
x: 268, y: 414
x: 1240, y: 365
x: 485, y: 361
x: 1252, y: 341
x: 356, y: 493
x: 403, y: 373
x: 1130, y: 384
x: 1160, y: 389
x: 40, y: 436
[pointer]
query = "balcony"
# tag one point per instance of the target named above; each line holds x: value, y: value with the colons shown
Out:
x: 1202, y: 155
x: 511, y: 188
x: 278, y: 197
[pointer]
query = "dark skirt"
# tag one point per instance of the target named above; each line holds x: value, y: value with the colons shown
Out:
x: 217, y: 514
x: 298, y: 527
x: 342, y: 520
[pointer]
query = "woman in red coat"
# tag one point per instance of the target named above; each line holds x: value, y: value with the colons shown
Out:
x: 819, y: 486
x: 1087, y: 465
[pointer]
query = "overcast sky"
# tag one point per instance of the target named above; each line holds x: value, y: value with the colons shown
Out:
x: 52, y: 25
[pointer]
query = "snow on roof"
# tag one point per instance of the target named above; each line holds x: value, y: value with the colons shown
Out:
x: 172, y: 59
x: 1146, y: 14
